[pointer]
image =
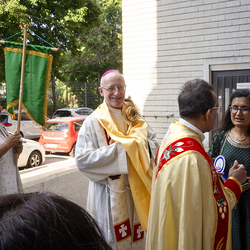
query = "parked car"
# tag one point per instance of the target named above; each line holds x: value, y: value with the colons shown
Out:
x: 33, y: 154
x: 28, y: 129
x: 72, y: 112
x: 60, y: 134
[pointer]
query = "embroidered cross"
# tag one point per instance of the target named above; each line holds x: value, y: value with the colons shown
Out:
x: 139, y: 231
x: 122, y: 230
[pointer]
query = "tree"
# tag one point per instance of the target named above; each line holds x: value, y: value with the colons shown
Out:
x: 101, y: 50
x: 59, y: 22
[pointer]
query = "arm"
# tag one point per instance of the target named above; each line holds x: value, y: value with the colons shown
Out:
x: 237, y: 176
x: 153, y: 145
x: 95, y: 161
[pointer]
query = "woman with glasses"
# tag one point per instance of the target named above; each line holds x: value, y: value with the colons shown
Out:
x: 232, y: 141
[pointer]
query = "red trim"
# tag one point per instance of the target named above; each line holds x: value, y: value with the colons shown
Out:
x: 123, y: 230
x: 234, y: 186
x: 138, y: 233
x: 156, y: 156
x: 108, y: 139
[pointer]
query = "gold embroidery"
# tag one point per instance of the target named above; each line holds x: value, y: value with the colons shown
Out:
x: 220, y: 244
x: 28, y: 52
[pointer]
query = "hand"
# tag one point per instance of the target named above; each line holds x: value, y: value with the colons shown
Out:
x: 218, y: 173
x: 246, y: 185
x: 13, y: 140
x: 238, y: 171
x: 19, y: 148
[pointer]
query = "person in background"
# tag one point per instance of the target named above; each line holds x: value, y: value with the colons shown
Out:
x: 232, y: 141
x: 47, y: 221
x: 114, y: 149
x: 190, y: 207
x: 10, y: 181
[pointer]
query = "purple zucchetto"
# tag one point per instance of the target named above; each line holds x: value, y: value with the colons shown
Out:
x: 110, y: 71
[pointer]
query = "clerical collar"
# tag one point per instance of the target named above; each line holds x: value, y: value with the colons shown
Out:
x: 189, y: 125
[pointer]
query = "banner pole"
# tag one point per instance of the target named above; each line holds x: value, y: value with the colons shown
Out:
x: 21, y: 85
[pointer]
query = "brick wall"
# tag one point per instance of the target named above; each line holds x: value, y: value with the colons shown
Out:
x: 166, y: 43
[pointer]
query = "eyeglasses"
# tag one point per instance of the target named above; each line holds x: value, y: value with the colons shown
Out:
x: 243, y: 110
x: 112, y: 89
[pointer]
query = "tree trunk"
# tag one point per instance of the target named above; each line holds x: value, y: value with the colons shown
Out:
x: 53, y: 86
x: 98, y: 78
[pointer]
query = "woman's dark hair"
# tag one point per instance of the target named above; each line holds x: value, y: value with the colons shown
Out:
x: 227, y: 122
x: 46, y: 221
x: 196, y: 97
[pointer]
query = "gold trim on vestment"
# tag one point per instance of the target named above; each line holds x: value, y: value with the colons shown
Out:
x: 122, y: 222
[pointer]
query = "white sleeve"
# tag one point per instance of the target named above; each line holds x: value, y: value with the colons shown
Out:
x: 152, y: 142
x: 98, y: 163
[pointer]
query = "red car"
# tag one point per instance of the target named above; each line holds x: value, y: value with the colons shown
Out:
x: 60, y: 134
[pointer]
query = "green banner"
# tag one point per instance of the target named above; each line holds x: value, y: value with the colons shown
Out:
x: 38, y: 64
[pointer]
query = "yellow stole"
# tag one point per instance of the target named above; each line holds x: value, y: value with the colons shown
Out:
x: 136, y: 146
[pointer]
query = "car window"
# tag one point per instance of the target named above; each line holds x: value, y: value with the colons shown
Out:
x: 62, y: 113
x: 4, y: 119
x: 84, y: 111
x: 78, y: 124
x: 56, y: 126
x: 24, y: 117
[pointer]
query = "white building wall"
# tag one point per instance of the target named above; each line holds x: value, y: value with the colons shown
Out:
x: 167, y: 42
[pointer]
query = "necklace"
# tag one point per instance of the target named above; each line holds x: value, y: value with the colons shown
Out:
x: 240, y: 140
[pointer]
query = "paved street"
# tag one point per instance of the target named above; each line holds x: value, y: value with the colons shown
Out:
x: 59, y: 175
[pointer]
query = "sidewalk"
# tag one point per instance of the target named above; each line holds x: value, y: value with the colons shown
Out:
x: 48, y: 171
x: 61, y: 177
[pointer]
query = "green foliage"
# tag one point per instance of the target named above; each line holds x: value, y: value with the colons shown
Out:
x: 59, y: 22
x: 87, y: 33
x: 101, y: 50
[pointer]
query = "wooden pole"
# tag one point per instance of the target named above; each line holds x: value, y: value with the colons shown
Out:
x: 21, y: 86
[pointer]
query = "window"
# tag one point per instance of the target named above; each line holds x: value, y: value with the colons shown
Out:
x: 84, y: 111
x: 78, y: 124
x: 62, y: 113
x: 56, y: 127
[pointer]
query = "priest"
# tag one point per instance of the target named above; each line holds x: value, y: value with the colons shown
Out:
x: 115, y: 150
x: 190, y: 208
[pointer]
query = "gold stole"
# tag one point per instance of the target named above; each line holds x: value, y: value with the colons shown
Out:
x: 136, y: 146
